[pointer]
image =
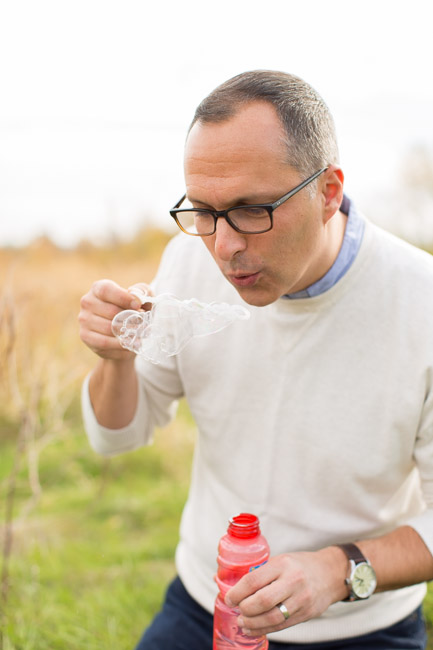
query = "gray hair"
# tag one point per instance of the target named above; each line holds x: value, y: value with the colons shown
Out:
x: 309, y: 128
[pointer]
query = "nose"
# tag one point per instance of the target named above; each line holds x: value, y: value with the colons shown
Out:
x: 228, y: 241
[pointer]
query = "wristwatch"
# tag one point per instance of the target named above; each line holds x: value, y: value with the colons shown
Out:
x: 362, y: 577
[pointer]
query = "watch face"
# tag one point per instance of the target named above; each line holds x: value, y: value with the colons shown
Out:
x: 363, y: 580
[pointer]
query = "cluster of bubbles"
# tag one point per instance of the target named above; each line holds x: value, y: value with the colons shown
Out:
x: 170, y: 324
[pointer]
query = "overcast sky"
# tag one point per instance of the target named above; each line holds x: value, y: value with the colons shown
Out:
x: 96, y: 97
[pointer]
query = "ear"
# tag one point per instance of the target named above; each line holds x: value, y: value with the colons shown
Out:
x: 332, y: 191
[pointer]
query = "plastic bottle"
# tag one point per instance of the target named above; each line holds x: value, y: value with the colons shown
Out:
x: 242, y: 549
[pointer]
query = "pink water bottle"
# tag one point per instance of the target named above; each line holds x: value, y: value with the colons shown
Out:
x: 242, y: 549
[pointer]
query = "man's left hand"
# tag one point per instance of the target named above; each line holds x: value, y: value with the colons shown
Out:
x: 306, y: 583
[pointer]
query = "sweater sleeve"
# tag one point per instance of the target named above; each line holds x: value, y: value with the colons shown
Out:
x: 160, y: 386
x: 154, y: 409
x: 423, y: 454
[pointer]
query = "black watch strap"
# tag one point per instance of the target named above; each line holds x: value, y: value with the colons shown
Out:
x: 353, y: 552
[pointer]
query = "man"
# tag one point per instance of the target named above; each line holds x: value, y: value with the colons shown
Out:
x: 316, y: 414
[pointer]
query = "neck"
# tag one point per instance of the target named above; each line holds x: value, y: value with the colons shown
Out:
x: 336, y: 227
x: 333, y: 235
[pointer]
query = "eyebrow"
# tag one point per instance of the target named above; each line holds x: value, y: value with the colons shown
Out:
x: 251, y: 200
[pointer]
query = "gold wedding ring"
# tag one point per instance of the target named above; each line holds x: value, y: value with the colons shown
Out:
x: 283, y: 609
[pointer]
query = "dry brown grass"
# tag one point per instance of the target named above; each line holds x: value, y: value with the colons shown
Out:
x: 41, y: 286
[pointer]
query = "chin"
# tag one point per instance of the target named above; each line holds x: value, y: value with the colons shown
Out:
x: 258, y: 298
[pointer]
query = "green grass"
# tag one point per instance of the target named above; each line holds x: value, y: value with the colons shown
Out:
x: 90, y: 563
x: 91, y: 560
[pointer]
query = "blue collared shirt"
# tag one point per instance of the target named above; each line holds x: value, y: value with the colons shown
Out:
x: 349, y: 249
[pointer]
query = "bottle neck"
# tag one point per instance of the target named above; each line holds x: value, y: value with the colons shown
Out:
x: 244, y: 526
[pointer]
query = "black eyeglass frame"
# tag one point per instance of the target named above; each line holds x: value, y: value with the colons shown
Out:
x: 269, y: 207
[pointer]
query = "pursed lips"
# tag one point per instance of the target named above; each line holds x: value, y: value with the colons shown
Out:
x: 243, y: 279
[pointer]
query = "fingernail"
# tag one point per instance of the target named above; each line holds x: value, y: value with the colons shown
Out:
x: 228, y: 602
x: 135, y: 304
x: 240, y: 621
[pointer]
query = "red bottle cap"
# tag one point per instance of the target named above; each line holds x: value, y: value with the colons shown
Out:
x: 244, y: 526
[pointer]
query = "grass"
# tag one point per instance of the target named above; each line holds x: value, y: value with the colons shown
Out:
x: 93, y: 539
x: 90, y: 564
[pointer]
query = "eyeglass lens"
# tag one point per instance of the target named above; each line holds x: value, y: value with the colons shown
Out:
x: 248, y: 219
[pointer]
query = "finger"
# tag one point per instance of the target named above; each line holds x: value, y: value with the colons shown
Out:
x: 101, y: 342
x: 98, y: 324
x: 142, y: 290
x: 272, y: 617
x: 271, y: 621
x: 105, y: 346
x: 100, y: 301
x: 265, y: 599
x: 263, y: 631
x: 96, y: 316
x: 110, y: 292
x: 251, y: 583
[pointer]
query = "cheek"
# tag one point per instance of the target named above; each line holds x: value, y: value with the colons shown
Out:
x: 298, y: 235
x: 292, y: 251
x: 282, y: 251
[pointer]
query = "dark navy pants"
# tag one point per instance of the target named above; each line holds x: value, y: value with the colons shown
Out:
x: 183, y: 624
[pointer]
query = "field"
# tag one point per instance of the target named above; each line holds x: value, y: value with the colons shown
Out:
x: 87, y: 543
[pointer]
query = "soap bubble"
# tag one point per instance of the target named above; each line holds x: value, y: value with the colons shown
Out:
x: 170, y: 324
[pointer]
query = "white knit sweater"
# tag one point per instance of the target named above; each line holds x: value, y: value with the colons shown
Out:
x: 316, y: 415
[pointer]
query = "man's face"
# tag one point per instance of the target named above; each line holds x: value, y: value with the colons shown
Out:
x: 241, y: 161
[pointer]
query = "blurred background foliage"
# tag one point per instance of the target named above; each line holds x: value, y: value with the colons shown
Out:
x: 87, y: 543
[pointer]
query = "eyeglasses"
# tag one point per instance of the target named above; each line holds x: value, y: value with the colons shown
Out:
x: 246, y: 219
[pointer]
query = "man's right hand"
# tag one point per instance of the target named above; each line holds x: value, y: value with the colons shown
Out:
x: 98, y: 308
